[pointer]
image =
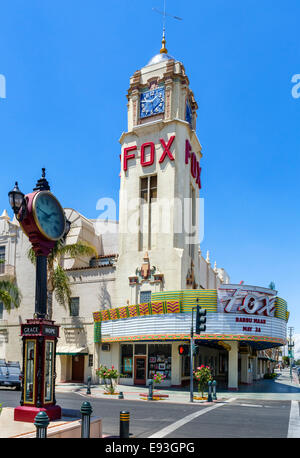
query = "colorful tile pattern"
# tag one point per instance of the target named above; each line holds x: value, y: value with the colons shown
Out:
x: 132, y: 310
x: 157, y: 308
x: 144, y: 309
x: 173, y: 306
x: 97, y: 331
x: 123, y: 312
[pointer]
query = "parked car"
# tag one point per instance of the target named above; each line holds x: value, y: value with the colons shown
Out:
x: 10, y: 373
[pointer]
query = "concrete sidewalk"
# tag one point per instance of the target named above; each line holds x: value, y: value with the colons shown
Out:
x: 281, y: 388
x: 17, y: 429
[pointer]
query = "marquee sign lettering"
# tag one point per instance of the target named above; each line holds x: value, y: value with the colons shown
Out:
x: 253, y: 321
x: 149, y: 148
x: 243, y: 299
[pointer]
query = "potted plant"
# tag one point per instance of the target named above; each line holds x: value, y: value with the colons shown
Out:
x: 109, y: 376
x: 202, y: 375
x: 158, y: 378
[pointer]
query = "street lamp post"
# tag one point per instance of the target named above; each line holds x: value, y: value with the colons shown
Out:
x: 42, y: 219
x: 290, y: 352
x: 192, y: 359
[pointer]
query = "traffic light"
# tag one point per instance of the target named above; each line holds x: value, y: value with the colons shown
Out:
x: 184, y: 349
x: 200, y: 320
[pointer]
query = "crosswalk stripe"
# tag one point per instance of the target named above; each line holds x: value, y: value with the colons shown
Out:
x: 294, y: 423
x: 178, y: 424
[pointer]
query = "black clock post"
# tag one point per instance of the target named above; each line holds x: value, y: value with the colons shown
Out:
x: 39, y: 334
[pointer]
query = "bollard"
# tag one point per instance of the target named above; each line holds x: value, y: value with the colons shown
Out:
x: 89, y: 379
x: 121, y: 396
x: 214, y: 384
x: 209, y: 397
x: 124, y: 424
x: 41, y: 423
x: 86, y: 411
x: 150, y: 394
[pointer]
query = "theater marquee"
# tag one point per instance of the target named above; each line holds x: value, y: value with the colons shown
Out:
x: 251, y: 300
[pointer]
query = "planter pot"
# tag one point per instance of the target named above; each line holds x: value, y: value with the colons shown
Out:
x: 157, y: 395
x: 155, y: 398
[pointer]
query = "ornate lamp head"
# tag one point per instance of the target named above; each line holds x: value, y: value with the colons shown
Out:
x: 16, y: 199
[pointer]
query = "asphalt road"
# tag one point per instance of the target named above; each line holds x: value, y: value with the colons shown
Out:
x: 237, y: 419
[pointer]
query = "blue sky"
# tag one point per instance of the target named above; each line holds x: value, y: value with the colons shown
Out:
x: 67, y: 66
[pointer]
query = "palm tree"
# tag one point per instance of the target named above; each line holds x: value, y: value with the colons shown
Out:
x: 57, y: 280
x: 9, y: 293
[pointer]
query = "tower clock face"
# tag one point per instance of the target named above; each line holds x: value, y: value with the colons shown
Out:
x: 152, y: 102
x: 49, y: 216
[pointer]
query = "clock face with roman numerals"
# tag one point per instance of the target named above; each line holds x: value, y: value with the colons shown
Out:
x: 49, y: 215
x: 152, y: 102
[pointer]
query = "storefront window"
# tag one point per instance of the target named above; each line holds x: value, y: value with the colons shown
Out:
x: 126, y: 360
x: 140, y: 349
x: 160, y: 360
x: 222, y: 363
x: 186, y: 365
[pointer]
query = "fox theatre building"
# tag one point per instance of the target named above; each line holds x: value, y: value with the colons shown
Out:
x: 160, y: 273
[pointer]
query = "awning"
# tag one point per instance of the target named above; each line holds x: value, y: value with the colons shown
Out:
x: 71, y: 350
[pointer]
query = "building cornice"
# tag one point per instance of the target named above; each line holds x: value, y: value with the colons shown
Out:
x: 159, y: 125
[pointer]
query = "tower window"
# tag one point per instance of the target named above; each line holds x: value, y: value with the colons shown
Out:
x: 148, y: 195
x: 188, y: 113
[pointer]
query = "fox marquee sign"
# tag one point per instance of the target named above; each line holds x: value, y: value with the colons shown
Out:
x: 250, y: 300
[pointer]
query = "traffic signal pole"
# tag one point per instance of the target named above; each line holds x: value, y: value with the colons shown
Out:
x: 200, y: 326
x: 191, y: 359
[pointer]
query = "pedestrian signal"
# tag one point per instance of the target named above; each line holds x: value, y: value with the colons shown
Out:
x: 183, y: 349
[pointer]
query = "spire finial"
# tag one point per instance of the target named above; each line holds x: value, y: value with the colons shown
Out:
x: 163, y: 44
x: 164, y: 14
x: 42, y: 183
